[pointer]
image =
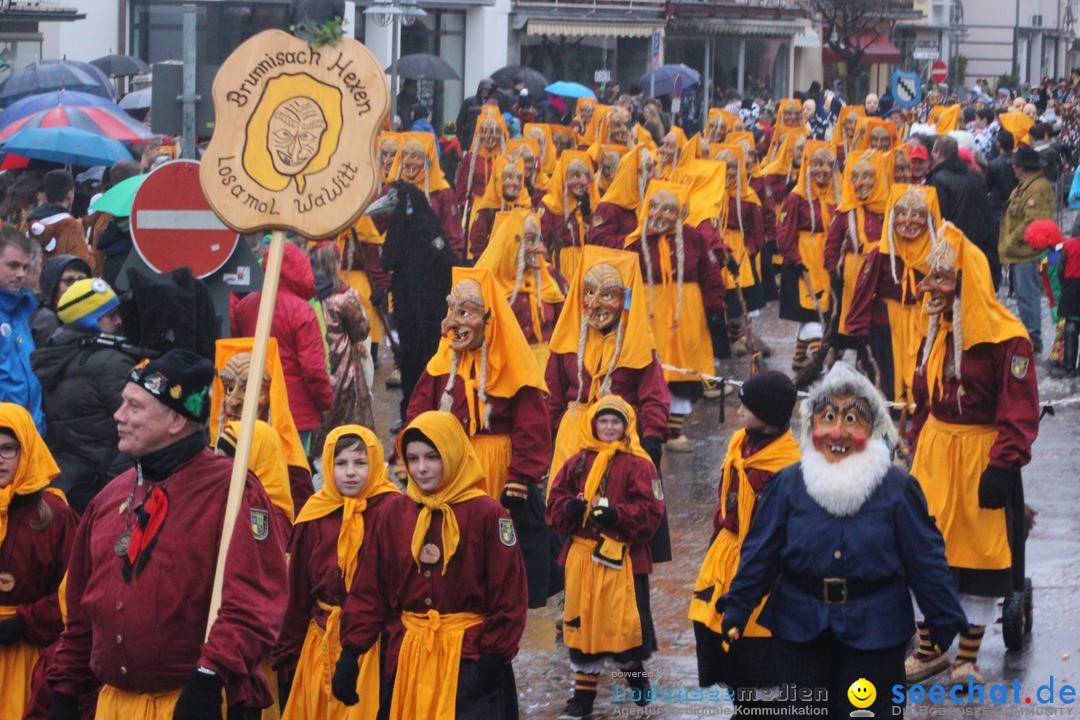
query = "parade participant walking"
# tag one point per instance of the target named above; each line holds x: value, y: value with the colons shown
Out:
x: 478, y: 165
x: 389, y: 142
x: 445, y: 560
x: 233, y: 364
x: 805, y: 220
x: 517, y: 261
x: 1031, y: 200
x: 976, y: 419
x: 347, y: 327
x: 603, y: 345
x: 885, y: 304
x: 855, y: 232
x: 615, y: 216
x: 761, y: 448
x: 325, y: 549
x: 683, y: 283
x: 417, y: 163
x: 37, y: 529
x: 607, y: 501
x: 566, y: 211
x: 505, y: 191
x: 841, y: 540
x: 156, y: 528
x: 844, y: 134
x: 527, y: 152
x: 788, y: 120
x: 300, y: 341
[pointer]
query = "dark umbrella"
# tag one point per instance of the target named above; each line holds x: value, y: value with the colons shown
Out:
x: 421, y: 66
x: 665, y: 79
x: 50, y: 75
x: 120, y: 65
x: 137, y: 100
x: 510, y: 75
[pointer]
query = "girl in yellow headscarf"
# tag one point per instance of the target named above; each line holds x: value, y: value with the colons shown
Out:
x: 977, y: 418
x: 607, y: 500
x: 325, y: 550
x: 37, y: 530
x: 517, y: 261
x: 505, y: 191
x: 844, y: 133
x: 856, y: 231
x: 885, y: 304
x: 804, y: 224
x: 685, y: 289
x: 445, y: 559
x: 566, y: 211
x: 615, y: 215
x: 761, y: 447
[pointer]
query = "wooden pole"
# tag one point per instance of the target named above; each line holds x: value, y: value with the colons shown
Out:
x: 250, y: 412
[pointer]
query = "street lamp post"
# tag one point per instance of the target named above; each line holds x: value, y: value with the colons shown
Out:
x: 396, y: 13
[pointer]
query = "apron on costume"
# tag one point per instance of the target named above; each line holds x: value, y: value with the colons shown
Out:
x: 908, y: 326
x: 954, y: 456
x: 495, y: 453
x: 116, y: 704
x: 310, y: 696
x: 17, y: 663
x: 737, y: 245
x: 600, y: 614
x: 429, y: 664
x: 686, y: 343
x: 812, y: 251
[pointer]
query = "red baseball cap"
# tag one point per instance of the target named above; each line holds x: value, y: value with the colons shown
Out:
x: 918, y: 152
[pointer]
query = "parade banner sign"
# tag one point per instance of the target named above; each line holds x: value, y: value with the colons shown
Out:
x: 294, y: 144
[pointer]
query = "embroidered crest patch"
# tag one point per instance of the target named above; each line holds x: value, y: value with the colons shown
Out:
x: 507, y: 534
x: 657, y: 489
x: 1019, y: 366
x: 260, y: 523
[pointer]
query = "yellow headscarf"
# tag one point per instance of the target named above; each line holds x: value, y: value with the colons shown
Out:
x: 480, y: 120
x: 681, y: 193
x: 603, y: 129
x: 878, y: 200
x: 745, y: 192
x: 945, y: 117
x: 592, y: 131
x: 546, y: 155
x: 555, y: 199
x: 601, y: 357
x: 707, y: 181
x: 861, y: 141
x: 431, y: 178
x: 781, y: 157
x: 624, y: 190
x: 781, y: 131
x: 510, y: 366
x: 462, y: 478
x: 605, y: 451
x: 983, y: 318
x: 913, y: 253
x: 36, y: 468
x: 281, y: 418
x: 810, y: 191
x: 387, y: 135
x: 838, y: 139
x: 503, y: 255
x: 1019, y: 125
x: 329, y: 498
x: 366, y: 232
x: 540, y: 174
x: 267, y: 462
x: 493, y: 194
x: 729, y: 121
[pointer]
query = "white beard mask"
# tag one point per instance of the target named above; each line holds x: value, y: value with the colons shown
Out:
x: 842, y: 487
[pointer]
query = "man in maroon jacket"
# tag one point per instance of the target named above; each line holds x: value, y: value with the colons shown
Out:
x: 142, y: 565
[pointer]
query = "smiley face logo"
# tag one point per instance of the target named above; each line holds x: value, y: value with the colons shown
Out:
x: 862, y: 693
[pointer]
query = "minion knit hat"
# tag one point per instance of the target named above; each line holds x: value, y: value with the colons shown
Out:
x: 85, y: 302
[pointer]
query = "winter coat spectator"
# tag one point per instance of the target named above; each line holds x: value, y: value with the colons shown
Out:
x: 83, y: 374
x: 1000, y: 177
x: 300, y: 342
x: 470, y: 110
x: 18, y: 384
x: 57, y: 275
x: 52, y: 224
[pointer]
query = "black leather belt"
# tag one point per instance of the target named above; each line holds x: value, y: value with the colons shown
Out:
x: 838, y: 591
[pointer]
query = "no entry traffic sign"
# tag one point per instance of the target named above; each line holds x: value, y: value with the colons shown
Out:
x: 939, y: 71
x: 172, y: 224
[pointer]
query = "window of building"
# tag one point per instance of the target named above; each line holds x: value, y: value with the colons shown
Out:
x: 441, y: 33
x: 157, y: 28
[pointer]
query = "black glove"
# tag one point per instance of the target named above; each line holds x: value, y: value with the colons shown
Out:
x: 996, y: 486
x: 575, y: 509
x: 63, y: 707
x: 586, y: 208
x: 836, y: 280
x: 732, y: 266
x: 201, y: 698
x: 490, y: 669
x: 716, y: 321
x: 285, y: 677
x: 346, y: 673
x: 654, y: 448
x: 380, y: 299
x: 514, y: 493
x: 800, y: 268
x: 726, y: 626
x: 604, y: 516
x: 12, y: 630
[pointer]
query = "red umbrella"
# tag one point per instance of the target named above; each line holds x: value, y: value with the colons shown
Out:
x: 117, y: 124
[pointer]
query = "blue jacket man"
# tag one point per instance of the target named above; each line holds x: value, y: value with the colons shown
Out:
x: 18, y: 384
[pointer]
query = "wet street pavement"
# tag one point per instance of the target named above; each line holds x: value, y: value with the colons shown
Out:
x: 1052, y: 487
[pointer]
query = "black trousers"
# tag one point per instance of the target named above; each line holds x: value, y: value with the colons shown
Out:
x: 823, y: 670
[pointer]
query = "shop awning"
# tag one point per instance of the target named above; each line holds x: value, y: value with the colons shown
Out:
x: 574, y: 28
x: 737, y: 27
x: 879, y: 50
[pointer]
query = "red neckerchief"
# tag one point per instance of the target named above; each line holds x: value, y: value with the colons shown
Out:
x: 149, y: 518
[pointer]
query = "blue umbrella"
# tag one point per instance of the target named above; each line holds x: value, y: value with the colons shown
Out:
x: 67, y: 145
x: 46, y: 75
x: 570, y: 89
x: 665, y: 79
x: 47, y: 101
